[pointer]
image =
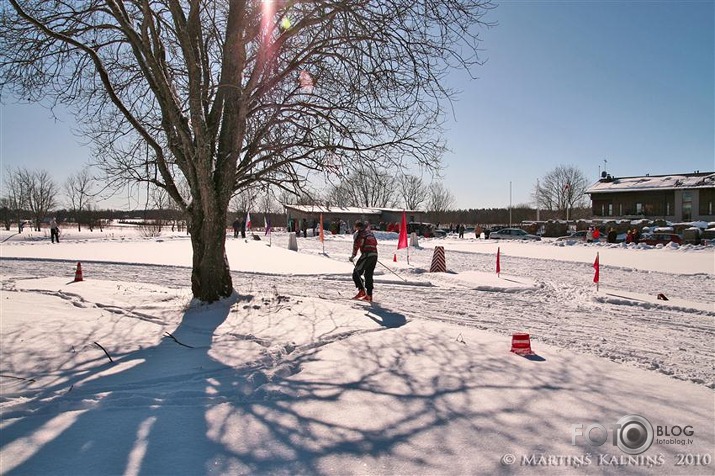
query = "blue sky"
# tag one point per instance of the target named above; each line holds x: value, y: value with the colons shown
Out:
x: 564, y: 83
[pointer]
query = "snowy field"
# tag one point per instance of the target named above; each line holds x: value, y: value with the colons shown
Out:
x: 122, y: 373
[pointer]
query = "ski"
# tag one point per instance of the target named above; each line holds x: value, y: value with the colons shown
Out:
x: 344, y: 298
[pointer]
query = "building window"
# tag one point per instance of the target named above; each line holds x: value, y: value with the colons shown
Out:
x: 687, y: 206
x: 610, y: 209
x: 667, y: 208
x: 639, y: 208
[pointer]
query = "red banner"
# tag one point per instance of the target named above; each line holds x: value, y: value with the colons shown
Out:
x: 597, y: 267
x: 402, y: 240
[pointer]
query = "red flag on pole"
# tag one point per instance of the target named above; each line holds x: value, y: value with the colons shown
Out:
x: 322, y: 235
x: 498, y: 265
x: 402, y: 240
x: 596, y: 266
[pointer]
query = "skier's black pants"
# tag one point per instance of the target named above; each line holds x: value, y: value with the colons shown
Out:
x: 55, y: 235
x: 365, y: 265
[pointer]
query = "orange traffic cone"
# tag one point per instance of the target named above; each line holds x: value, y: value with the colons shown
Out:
x: 78, y: 273
x: 394, y: 257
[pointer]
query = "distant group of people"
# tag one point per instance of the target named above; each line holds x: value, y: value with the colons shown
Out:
x: 633, y: 236
x: 239, y: 226
x: 54, y: 229
x: 593, y: 234
x: 612, y: 236
x: 458, y: 228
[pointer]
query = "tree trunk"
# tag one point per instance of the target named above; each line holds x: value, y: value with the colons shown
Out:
x: 210, y: 276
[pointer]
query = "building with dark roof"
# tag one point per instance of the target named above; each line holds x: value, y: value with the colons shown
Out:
x: 308, y: 215
x: 676, y: 198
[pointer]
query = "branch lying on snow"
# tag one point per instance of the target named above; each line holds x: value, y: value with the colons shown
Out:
x: 105, y: 351
x: 175, y: 340
x: 17, y: 378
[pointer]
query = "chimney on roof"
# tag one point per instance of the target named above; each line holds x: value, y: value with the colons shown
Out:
x: 606, y: 177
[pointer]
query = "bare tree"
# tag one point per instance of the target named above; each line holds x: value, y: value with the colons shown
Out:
x: 245, y: 200
x: 413, y: 191
x: 5, y: 213
x: 440, y: 198
x: 16, y: 195
x: 365, y: 188
x: 225, y: 94
x: 94, y: 217
x: 160, y: 201
x: 34, y: 190
x: 562, y: 190
x: 78, y: 189
x: 43, y: 195
x: 267, y: 202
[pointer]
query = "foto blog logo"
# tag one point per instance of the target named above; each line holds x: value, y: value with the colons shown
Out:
x: 632, y: 434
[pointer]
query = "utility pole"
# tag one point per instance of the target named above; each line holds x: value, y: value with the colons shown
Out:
x: 538, y: 193
x: 509, y: 203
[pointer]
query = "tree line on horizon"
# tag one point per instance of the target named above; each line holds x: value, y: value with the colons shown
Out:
x: 33, y: 195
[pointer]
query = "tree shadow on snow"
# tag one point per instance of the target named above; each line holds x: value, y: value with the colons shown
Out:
x: 126, y: 416
x: 352, y: 400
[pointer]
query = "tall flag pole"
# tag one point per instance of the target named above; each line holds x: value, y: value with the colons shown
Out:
x: 322, y: 234
x: 402, y: 240
x: 498, y: 265
x: 597, y: 267
x: 248, y: 221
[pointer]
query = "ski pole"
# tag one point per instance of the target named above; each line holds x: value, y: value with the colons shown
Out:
x: 392, y: 271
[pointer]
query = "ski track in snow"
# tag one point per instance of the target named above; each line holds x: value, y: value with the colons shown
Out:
x: 562, y: 309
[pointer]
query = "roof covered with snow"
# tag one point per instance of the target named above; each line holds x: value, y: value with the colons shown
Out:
x: 654, y: 182
x: 334, y: 210
x: 347, y: 210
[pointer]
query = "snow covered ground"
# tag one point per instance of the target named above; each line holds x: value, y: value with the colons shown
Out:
x: 123, y: 373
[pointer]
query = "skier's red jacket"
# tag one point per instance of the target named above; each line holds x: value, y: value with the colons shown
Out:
x: 366, y: 242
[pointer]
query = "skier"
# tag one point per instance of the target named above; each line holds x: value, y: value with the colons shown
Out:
x: 366, y: 243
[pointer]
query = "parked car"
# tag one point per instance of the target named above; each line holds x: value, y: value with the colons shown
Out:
x: 487, y: 231
x: 661, y: 239
x: 427, y: 230
x: 576, y: 235
x: 512, y: 234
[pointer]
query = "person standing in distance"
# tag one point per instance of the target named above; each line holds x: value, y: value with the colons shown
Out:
x: 54, y: 230
x: 366, y: 243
